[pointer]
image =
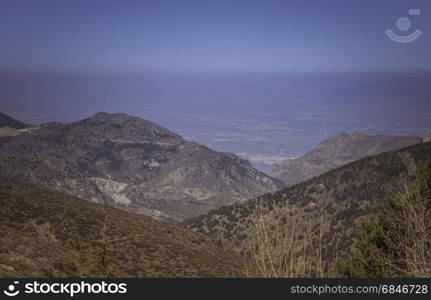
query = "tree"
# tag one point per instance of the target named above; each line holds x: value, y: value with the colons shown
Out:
x: 396, y: 240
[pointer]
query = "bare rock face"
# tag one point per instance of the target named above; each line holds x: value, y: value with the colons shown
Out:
x: 427, y: 138
x: 336, y: 151
x: 132, y: 164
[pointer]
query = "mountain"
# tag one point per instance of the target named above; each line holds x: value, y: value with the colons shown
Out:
x: 132, y: 164
x: 341, y: 198
x: 51, y: 234
x: 6, y: 121
x: 336, y: 151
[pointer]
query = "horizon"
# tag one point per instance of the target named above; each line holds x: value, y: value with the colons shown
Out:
x: 262, y: 78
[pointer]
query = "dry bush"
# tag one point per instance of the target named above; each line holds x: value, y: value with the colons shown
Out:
x: 396, y: 241
x: 417, y: 239
x: 411, y: 231
x: 284, y: 247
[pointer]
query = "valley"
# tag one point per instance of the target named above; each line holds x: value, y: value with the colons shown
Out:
x: 138, y: 176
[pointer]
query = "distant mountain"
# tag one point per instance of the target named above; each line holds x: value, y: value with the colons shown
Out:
x: 132, y: 164
x: 336, y: 151
x: 52, y: 234
x: 6, y: 121
x: 341, y: 198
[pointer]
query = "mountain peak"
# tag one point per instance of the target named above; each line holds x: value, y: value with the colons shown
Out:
x: 342, y: 134
x: 121, y: 119
x: 345, y: 135
x: 106, y: 115
x: 133, y: 164
x: 116, y: 118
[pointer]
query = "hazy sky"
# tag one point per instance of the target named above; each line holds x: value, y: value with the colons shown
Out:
x: 200, y: 35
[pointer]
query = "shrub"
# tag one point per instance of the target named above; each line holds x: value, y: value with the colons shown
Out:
x: 280, y: 247
x: 396, y: 240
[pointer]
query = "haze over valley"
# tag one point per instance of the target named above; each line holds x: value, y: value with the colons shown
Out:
x: 194, y: 138
x: 264, y: 118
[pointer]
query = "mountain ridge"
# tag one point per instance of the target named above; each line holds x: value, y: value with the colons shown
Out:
x: 342, y: 197
x: 336, y: 151
x: 132, y: 164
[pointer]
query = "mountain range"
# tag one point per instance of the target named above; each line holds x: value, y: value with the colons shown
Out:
x: 340, y: 198
x: 129, y: 167
x: 129, y: 163
x: 336, y: 151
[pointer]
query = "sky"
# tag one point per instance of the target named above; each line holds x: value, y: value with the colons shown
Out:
x: 210, y: 36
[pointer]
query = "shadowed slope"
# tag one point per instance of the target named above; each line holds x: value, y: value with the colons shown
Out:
x: 7, y: 121
x: 51, y: 234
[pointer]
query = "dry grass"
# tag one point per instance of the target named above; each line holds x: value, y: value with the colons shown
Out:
x: 51, y: 234
x: 280, y: 247
x: 413, y: 232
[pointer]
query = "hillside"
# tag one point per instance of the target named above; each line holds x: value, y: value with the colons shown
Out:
x: 6, y: 121
x: 336, y: 151
x: 132, y: 164
x: 52, y: 234
x: 340, y: 198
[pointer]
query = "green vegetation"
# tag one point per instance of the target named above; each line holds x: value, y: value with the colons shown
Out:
x: 301, y: 231
x: 349, y: 194
x: 343, y: 198
x: 396, y: 240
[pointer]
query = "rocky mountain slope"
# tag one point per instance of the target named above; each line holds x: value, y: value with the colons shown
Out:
x: 336, y: 151
x: 339, y: 198
x: 6, y: 121
x: 52, y: 234
x: 132, y: 164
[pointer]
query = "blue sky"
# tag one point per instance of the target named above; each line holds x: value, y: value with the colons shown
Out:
x: 210, y: 36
